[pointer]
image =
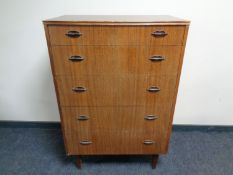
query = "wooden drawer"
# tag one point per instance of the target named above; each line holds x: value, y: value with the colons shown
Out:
x: 116, y: 90
x: 96, y: 60
x: 116, y: 35
x: 125, y: 128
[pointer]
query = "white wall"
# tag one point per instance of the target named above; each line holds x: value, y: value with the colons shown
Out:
x: 206, y: 87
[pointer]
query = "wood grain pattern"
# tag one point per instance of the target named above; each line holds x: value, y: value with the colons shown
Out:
x: 55, y: 85
x: 115, y: 130
x: 115, y: 90
x: 117, y: 72
x: 177, y: 86
x: 119, y: 60
x: 116, y: 35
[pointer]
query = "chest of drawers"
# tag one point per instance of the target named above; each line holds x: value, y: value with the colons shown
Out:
x: 116, y: 81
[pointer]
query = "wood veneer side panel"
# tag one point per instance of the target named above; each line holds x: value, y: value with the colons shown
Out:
x: 176, y: 90
x: 55, y: 85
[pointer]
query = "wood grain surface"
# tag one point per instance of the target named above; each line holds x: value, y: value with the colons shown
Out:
x: 116, y: 35
x: 115, y: 130
x: 116, y: 72
x: 116, y: 60
x: 115, y: 90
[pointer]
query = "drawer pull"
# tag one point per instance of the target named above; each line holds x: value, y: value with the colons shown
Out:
x: 151, y: 117
x: 148, y: 142
x: 79, y: 89
x: 85, y: 142
x: 157, y: 58
x: 73, y: 34
x: 76, y: 58
x: 153, y: 89
x: 159, y: 34
x: 82, y: 117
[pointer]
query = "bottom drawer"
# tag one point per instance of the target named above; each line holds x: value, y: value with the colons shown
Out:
x: 115, y: 130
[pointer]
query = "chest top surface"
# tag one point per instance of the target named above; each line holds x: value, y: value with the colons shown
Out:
x: 106, y: 19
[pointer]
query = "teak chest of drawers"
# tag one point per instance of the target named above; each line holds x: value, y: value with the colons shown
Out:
x: 116, y: 80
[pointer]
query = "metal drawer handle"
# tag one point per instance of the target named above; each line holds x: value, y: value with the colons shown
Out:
x: 153, y: 89
x: 157, y: 58
x: 151, y: 117
x: 148, y: 142
x: 85, y: 142
x: 159, y: 34
x: 79, y: 89
x: 76, y: 58
x: 82, y: 117
x: 73, y: 34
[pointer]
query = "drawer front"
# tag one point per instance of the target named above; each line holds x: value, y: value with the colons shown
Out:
x: 128, y: 130
x: 116, y: 35
x: 96, y: 60
x: 115, y: 90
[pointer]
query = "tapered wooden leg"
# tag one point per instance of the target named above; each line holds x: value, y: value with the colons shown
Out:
x: 154, y: 161
x: 79, y: 162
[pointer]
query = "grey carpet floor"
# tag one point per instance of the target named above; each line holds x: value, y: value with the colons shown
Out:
x: 40, y: 151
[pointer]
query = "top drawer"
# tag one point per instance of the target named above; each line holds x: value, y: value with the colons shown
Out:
x: 116, y: 35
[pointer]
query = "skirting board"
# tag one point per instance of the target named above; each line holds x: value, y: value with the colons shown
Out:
x: 56, y: 125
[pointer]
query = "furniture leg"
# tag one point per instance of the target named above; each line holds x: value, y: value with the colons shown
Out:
x: 79, y: 162
x: 154, y: 161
